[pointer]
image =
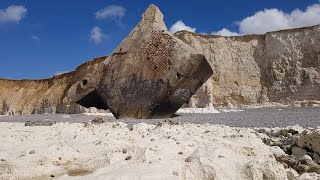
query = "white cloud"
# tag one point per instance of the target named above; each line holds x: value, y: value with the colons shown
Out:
x: 112, y: 12
x: 225, y: 32
x: 12, y: 14
x: 264, y: 21
x: 275, y: 19
x: 96, y: 35
x: 179, y: 26
x: 60, y: 72
x: 35, y: 38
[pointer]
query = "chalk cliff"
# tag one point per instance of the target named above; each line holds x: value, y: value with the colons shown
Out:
x: 45, y: 95
x: 278, y: 68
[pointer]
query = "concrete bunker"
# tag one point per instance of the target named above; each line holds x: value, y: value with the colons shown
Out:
x: 151, y: 74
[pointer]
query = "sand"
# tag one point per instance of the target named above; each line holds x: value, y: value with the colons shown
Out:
x: 142, y: 151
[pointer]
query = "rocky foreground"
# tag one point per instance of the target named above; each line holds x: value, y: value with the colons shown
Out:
x: 168, y: 150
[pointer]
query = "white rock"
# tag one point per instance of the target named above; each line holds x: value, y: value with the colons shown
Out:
x: 209, y: 110
x: 97, y: 152
x: 306, y: 157
x: 299, y: 152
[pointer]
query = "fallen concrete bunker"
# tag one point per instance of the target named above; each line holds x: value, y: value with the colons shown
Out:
x: 151, y: 74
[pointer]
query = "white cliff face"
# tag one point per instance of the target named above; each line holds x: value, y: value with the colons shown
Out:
x: 46, y: 95
x: 293, y: 61
x: 281, y: 67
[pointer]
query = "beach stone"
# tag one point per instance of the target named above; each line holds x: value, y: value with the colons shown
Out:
x: 316, y: 157
x: 189, y: 159
x: 310, y: 139
x: 290, y: 161
x: 168, y: 122
x: 299, y: 152
x: 130, y: 127
x: 314, y: 168
x: 98, y: 120
x: 128, y: 158
x: 302, y: 168
x: 194, y: 156
x: 307, y: 157
x: 40, y: 123
x: 124, y: 151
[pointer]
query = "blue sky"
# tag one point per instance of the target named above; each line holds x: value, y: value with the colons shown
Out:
x: 41, y: 38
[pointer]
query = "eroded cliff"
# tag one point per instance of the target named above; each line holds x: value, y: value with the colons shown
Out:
x: 46, y: 95
x: 279, y: 67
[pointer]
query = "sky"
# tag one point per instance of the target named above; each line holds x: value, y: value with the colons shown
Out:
x: 39, y: 39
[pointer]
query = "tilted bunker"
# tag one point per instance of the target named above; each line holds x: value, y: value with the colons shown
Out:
x: 151, y: 74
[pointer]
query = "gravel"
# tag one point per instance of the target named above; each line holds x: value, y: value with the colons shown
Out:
x: 264, y: 117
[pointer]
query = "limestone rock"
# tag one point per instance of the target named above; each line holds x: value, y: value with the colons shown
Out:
x: 69, y: 151
x: 151, y: 74
x: 45, y: 95
x: 46, y: 122
x: 302, y: 148
x: 309, y: 139
x: 299, y: 152
x: 278, y: 67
